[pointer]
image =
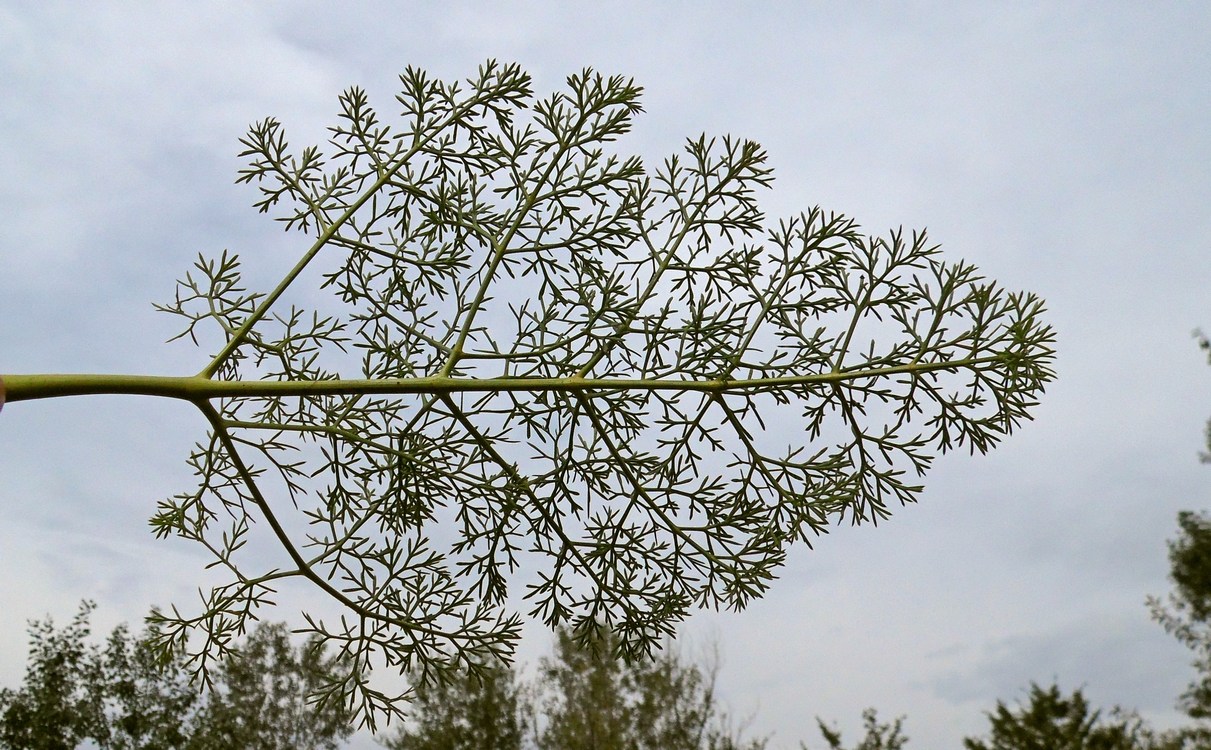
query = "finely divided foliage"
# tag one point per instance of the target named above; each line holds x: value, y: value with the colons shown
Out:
x: 609, y: 381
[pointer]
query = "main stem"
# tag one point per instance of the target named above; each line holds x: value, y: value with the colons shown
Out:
x: 197, y: 388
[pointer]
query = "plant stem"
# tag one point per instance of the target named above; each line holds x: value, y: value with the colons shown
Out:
x: 196, y: 388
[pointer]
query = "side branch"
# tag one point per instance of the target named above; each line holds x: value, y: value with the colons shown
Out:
x: 197, y: 389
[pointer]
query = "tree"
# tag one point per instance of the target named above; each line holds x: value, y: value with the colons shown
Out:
x: 150, y: 704
x: 466, y: 711
x: 1051, y: 720
x: 55, y: 709
x: 121, y: 697
x: 259, y: 700
x: 586, y: 702
x: 583, y: 697
x: 1186, y: 613
x: 878, y: 736
x: 564, y: 362
x: 591, y: 699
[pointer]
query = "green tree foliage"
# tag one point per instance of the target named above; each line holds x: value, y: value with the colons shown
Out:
x: 55, y: 707
x: 467, y: 710
x: 541, y: 353
x: 150, y: 704
x: 878, y: 736
x: 120, y: 696
x: 592, y: 700
x: 1051, y: 720
x: 584, y: 697
x: 259, y: 697
x: 1186, y: 612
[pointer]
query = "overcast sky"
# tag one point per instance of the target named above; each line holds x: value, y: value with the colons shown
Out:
x: 1062, y: 147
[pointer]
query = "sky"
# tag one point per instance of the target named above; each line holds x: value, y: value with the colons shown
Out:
x: 1061, y: 147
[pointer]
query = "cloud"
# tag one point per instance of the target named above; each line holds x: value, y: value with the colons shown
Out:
x: 174, y: 90
x: 1115, y: 658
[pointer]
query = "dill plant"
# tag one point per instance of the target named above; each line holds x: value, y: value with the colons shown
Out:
x: 541, y: 360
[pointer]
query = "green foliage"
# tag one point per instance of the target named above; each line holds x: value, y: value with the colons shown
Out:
x: 584, y: 697
x: 150, y: 705
x: 541, y: 354
x: 123, y: 697
x: 583, y: 675
x: 593, y: 700
x: 1051, y: 720
x: 878, y: 736
x: 466, y: 711
x: 119, y: 696
x: 1186, y: 613
x: 55, y: 708
x: 259, y: 698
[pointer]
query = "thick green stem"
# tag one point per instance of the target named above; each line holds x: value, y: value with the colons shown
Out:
x: 196, y: 388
